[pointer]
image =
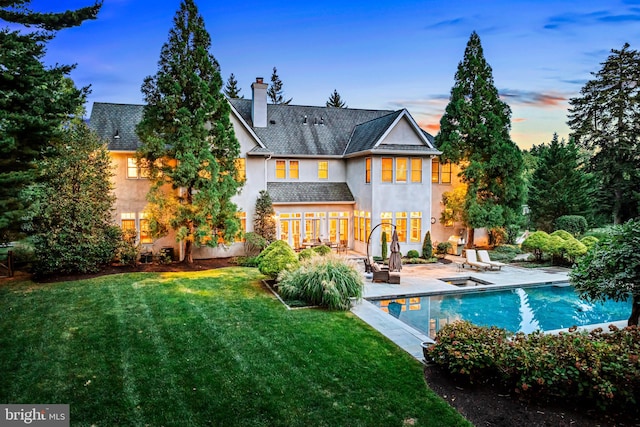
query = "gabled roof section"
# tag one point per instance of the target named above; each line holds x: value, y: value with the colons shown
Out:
x: 116, y: 123
x: 310, y: 192
x: 370, y: 137
x: 326, y: 131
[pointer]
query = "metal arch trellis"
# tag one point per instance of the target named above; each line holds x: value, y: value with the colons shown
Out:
x: 373, y: 229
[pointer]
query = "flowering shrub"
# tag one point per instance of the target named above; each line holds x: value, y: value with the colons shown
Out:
x: 598, y: 367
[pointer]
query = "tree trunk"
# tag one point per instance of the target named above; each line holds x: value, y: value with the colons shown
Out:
x: 635, y: 311
x: 470, y: 237
x: 188, y: 252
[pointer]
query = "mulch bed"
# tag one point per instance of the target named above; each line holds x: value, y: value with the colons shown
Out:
x: 482, y: 405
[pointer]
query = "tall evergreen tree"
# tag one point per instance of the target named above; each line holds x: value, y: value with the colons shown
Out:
x: 604, y: 120
x: 335, y: 100
x: 559, y: 185
x: 188, y: 139
x: 275, y: 90
x: 34, y: 101
x: 264, y: 222
x: 474, y: 133
x: 231, y: 88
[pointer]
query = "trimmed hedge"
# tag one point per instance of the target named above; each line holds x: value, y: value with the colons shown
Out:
x: 596, y: 367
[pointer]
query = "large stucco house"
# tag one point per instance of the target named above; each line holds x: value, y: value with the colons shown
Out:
x: 332, y: 173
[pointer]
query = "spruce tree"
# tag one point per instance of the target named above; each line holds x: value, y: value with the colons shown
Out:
x: 264, y: 222
x: 336, y: 101
x: 188, y: 139
x: 275, y: 90
x: 231, y: 88
x: 559, y: 185
x: 604, y: 120
x: 34, y: 101
x: 427, y: 246
x: 474, y: 133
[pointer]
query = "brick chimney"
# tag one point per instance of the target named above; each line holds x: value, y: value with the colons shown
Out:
x: 259, y: 103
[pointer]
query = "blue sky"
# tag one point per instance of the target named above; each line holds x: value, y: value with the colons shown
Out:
x: 381, y: 55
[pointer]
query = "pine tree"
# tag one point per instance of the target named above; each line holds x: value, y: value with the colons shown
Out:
x: 231, y: 88
x: 275, y: 90
x: 559, y: 185
x: 34, y: 101
x: 188, y: 139
x: 474, y: 133
x: 264, y: 222
x: 335, y: 100
x: 604, y: 120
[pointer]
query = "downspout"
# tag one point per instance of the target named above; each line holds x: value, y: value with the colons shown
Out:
x: 266, y: 169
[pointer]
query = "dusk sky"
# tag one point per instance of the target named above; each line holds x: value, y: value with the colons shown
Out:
x: 380, y: 55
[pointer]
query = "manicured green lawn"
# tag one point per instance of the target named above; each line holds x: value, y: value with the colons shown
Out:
x: 208, y: 348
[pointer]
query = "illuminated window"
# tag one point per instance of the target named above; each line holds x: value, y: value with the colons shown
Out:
x: 323, y: 170
x: 241, y: 167
x: 242, y: 217
x: 367, y: 224
x: 367, y: 170
x: 415, y: 226
x: 401, y: 226
x: 356, y: 222
x: 128, y: 224
x: 293, y: 169
x: 416, y: 170
x: 435, y: 170
x: 387, y: 169
x: 363, y: 236
x: 385, y: 219
x: 401, y: 169
x: 145, y: 231
x: 132, y: 167
x: 281, y: 169
x: 446, y: 173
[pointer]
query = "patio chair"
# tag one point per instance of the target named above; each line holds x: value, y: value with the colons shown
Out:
x: 381, y: 274
x: 472, y: 261
x: 484, y: 257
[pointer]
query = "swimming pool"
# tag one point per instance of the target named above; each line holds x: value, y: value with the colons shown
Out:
x: 519, y: 309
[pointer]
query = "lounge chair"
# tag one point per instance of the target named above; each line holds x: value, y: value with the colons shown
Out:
x: 472, y: 261
x: 484, y: 257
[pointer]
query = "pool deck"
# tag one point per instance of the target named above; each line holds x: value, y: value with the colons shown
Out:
x: 420, y: 279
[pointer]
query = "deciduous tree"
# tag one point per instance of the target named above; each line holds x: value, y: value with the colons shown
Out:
x: 69, y: 218
x: 604, y: 120
x: 611, y: 269
x: 474, y: 133
x: 188, y: 140
x: 34, y: 101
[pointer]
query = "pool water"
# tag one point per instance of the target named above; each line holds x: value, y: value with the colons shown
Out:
x: 518, y: 310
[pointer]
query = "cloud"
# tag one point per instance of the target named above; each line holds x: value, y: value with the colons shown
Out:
x: 593, y: 18
x: 432, y: 128
x: 518, y: 120
x: 446, y: 24
x: 531, y: 98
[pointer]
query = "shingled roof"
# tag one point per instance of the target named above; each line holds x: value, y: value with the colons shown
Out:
x: 116, y: 123
x: 319, y: 131
x: 309, y: 192
x: 292, y: 130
